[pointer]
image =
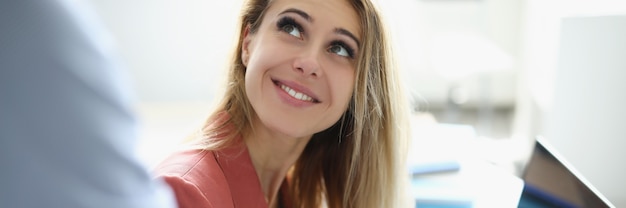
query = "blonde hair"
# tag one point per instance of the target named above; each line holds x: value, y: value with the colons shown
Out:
x: 357, y: 162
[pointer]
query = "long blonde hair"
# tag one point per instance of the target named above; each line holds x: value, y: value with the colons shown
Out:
x: 357, y: 162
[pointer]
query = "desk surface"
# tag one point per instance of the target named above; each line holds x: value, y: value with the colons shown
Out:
x: 469, y: 180
x: 475, y: 184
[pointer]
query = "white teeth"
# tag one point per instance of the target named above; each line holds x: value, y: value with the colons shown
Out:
x: 295, y: 94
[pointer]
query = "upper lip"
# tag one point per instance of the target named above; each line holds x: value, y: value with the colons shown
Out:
x: 297, y: 87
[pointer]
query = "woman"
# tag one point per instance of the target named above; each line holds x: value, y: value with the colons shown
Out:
x: 312, y: 115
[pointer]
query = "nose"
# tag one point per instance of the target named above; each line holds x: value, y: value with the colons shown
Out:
x: 308, y: 64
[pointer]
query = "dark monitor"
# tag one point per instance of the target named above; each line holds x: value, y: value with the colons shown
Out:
x: 549, y: 181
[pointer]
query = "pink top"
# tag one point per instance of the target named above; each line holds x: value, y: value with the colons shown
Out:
x: 224, y: 178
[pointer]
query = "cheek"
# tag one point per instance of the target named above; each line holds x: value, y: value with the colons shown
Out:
x: 264, y: 56
x: 258, y: 64
x: 343, y: 86
x: 255, y: 69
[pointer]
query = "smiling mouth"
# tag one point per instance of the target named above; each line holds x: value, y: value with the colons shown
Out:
x: 295, y: 94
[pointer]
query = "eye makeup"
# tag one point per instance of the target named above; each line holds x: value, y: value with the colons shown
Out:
x: 287, y: 21
x: 340, y: 47
x: 344, y: 45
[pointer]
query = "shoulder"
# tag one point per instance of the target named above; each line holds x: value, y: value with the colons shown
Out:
x: 196, y: 179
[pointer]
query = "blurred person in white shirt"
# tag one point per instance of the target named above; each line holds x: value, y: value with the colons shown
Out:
x: 67, y: 131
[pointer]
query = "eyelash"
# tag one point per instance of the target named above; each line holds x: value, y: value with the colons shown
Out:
x: 288, y: 21
x: 345, y: 46
x: 285, y: 21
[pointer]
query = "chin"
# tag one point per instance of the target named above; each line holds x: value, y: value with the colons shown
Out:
x: 295, y: 127
x: 295, y: 131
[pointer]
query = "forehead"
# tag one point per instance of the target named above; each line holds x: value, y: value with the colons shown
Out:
x: 330, y: 13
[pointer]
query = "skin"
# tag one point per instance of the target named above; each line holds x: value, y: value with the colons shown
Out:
x: 307, y: 60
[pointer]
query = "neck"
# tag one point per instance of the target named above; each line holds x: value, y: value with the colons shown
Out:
x: 272, y: 155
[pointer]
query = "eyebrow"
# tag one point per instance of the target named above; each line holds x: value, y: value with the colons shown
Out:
x: 308, y: 18
x: 349, y: 34
x: 303, y: 14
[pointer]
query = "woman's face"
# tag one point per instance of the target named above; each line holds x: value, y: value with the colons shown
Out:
x: 301, y: 65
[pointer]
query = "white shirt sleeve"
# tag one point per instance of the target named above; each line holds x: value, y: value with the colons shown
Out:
x: 67, y: 130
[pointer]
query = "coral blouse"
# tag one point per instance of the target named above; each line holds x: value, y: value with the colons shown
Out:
x: 223, y: 178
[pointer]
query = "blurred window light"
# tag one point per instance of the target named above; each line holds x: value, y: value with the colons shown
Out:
x: 457, y: 55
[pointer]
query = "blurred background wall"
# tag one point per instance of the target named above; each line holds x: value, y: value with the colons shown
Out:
x: 501, y: 66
